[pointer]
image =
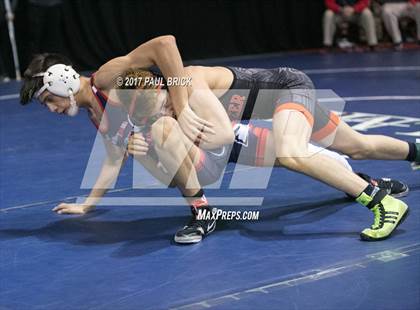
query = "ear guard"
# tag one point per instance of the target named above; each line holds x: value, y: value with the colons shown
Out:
x: 63, y: 81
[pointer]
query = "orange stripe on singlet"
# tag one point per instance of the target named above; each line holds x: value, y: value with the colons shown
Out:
x: 261, y: 134
x: 329, y: 128
x: 297, y: 107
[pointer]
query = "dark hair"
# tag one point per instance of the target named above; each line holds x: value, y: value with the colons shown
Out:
x: 40, y: 63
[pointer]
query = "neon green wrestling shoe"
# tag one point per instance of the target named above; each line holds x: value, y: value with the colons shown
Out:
x: 389, y: 213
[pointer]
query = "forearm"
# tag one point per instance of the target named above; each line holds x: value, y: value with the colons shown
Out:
x: 163, y: 52
x: 94, y: 197
x: 169, y: 61
x: 109, y: 173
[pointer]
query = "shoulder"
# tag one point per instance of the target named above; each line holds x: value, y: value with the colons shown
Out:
x: 194, y: 70
x: 207, y: 73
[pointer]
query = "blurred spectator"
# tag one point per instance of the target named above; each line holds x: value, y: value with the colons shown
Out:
x: 392, y: 11
x: 354, y: 11
x: 3, y: 74
x: 5, y: 56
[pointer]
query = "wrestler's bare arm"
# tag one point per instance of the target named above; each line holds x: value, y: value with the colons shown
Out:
x: 110, y: 170
x: 162, y: 52
x: 207, y: 106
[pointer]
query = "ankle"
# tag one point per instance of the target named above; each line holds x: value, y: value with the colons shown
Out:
x: 413, y: 152
x: 371, y: 196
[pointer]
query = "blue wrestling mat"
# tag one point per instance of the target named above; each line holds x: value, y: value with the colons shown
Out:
x: 303, y: 253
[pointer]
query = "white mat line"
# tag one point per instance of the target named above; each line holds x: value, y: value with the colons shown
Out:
x: 8, y: 97
x: 362, y: 69
x: 370, y: 98
x: 175, y: 201
x: 304, y: 277
x: 151, y: 186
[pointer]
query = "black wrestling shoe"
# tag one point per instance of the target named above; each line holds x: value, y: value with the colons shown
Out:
x: 415, y: 165
x: 394, y: 188
x: 197, y: 227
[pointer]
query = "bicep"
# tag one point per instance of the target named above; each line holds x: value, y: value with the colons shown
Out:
x: 144, y: 56
x: 107, y: 75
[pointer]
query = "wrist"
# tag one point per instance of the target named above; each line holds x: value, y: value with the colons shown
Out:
x: 88, y: 208
x: 181, y: 109
x: 90, y: 202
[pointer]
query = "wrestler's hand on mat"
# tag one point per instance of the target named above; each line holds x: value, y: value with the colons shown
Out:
x: 72, y: 208
x: 193, y: 126
x: 137, y: 145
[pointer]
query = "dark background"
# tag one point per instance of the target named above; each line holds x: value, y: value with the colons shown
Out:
x: 92, y: 32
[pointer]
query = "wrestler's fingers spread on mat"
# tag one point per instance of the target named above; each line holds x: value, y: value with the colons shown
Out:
x: 70, y: 208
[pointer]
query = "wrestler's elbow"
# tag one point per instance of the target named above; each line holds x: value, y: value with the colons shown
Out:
x: 149, y: 53
x: 165, y: 41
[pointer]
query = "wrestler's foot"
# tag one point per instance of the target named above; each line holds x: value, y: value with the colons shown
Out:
x: 415, y: 165
x: 201, y: 224
x: 392, y: 187
x: 389, y: 213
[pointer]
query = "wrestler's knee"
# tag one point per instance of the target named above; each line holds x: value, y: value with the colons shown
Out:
x: 292, y: 155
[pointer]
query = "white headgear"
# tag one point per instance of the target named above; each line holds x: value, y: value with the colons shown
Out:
x: 63, y: 81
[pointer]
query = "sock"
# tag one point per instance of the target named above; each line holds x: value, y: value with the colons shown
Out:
x: 371, y: 196
x: 413, y: 152
x: 198, y: 200
x: 200, y: 193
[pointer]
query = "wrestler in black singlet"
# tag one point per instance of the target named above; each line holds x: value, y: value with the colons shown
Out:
x: 258, y: 93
